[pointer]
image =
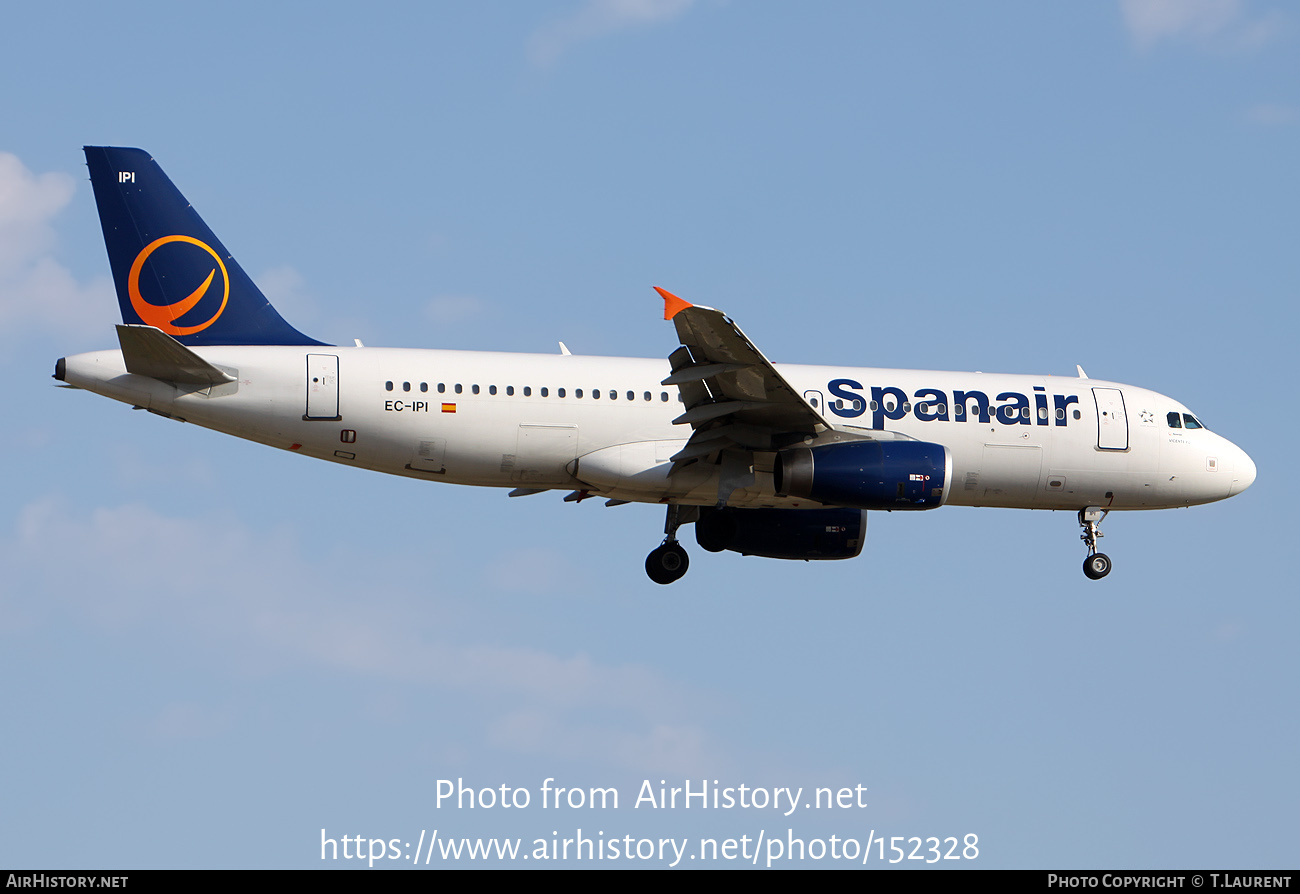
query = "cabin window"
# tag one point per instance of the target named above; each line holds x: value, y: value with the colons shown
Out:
x: 560, y: 392
x: 595, y: 394
x: 473, y: 388
x: 510, y: 391
x: 647, y: 395
x: 546, y: 392
x: 388, y: 386
x: 874, y: 406
x: 442, y: 387
x: 458, y: 388
x: 613, y: 395
x: 406, y: 386
x: 424, y: 386
x: 1078, y: 415
x: 663, y: 396
x: 631, y: 395
x: 492, y: 389
x: 1024, y: 412
x: 528, y: 391
x: 1060, y: 412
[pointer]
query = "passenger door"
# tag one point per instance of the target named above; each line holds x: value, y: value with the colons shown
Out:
x: 322, y: 387
x: 1112, y: 420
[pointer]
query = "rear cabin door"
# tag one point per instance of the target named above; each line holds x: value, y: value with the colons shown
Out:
x: 322, y: 387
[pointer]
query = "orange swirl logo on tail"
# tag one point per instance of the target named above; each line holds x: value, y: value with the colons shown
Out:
x: 163, y: 315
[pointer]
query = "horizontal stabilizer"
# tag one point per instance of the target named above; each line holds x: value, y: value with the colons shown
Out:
x: 152, y: 352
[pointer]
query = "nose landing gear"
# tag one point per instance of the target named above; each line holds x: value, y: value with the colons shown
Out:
x: 1097, y: 565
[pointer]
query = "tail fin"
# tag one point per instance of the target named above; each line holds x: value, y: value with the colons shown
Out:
x: 171, y: 272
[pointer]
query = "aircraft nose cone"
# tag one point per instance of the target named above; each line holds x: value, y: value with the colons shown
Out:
x: 1243, y: 473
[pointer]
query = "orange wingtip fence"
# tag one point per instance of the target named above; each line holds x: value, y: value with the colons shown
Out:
x: 672, y: 304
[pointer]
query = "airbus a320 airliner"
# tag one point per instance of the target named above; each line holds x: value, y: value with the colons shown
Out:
x: 783, y: 462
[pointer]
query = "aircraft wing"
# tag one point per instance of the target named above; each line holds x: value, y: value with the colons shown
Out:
x: 734, y: 397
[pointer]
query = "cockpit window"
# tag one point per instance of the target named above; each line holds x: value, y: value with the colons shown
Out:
x: 1191, y: 421
x: 1174, y: 421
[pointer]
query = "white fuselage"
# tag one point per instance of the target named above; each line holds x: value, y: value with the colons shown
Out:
x: 605, y: 425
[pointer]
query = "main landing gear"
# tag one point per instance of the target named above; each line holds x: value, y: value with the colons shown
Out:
x: 668, y: 562
x: 1097, y: 565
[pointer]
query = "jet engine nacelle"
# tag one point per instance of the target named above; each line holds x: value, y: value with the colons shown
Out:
x: 866, y: 474
x: 783, y: 533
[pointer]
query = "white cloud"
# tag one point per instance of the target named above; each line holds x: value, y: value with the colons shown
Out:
x: 36, y: 292
x: 253, y: 600
x: 135, y: 471
x: 27, y: 205
x: 597, y: 19
x: 1223, y: 24
x: 286, y: 288
x: 1273, y: 113
x: 536, y: 571
x: 663, y: 748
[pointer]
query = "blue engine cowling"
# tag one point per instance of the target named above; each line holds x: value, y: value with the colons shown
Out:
x: 866, y: 474
x: 783, y: 533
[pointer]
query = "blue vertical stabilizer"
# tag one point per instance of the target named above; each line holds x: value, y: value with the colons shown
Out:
x: 170, y: 270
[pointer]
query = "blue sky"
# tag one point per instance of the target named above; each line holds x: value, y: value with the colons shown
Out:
x: 214, y: 650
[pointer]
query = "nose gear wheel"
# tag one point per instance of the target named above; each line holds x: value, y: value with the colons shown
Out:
x: 1097, y: 565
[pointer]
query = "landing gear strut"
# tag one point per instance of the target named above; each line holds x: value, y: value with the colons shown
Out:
x: 668, y: 562
x: 1097, y: 565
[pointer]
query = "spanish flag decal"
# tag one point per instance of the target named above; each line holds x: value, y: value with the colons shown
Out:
x: 449, y: 408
